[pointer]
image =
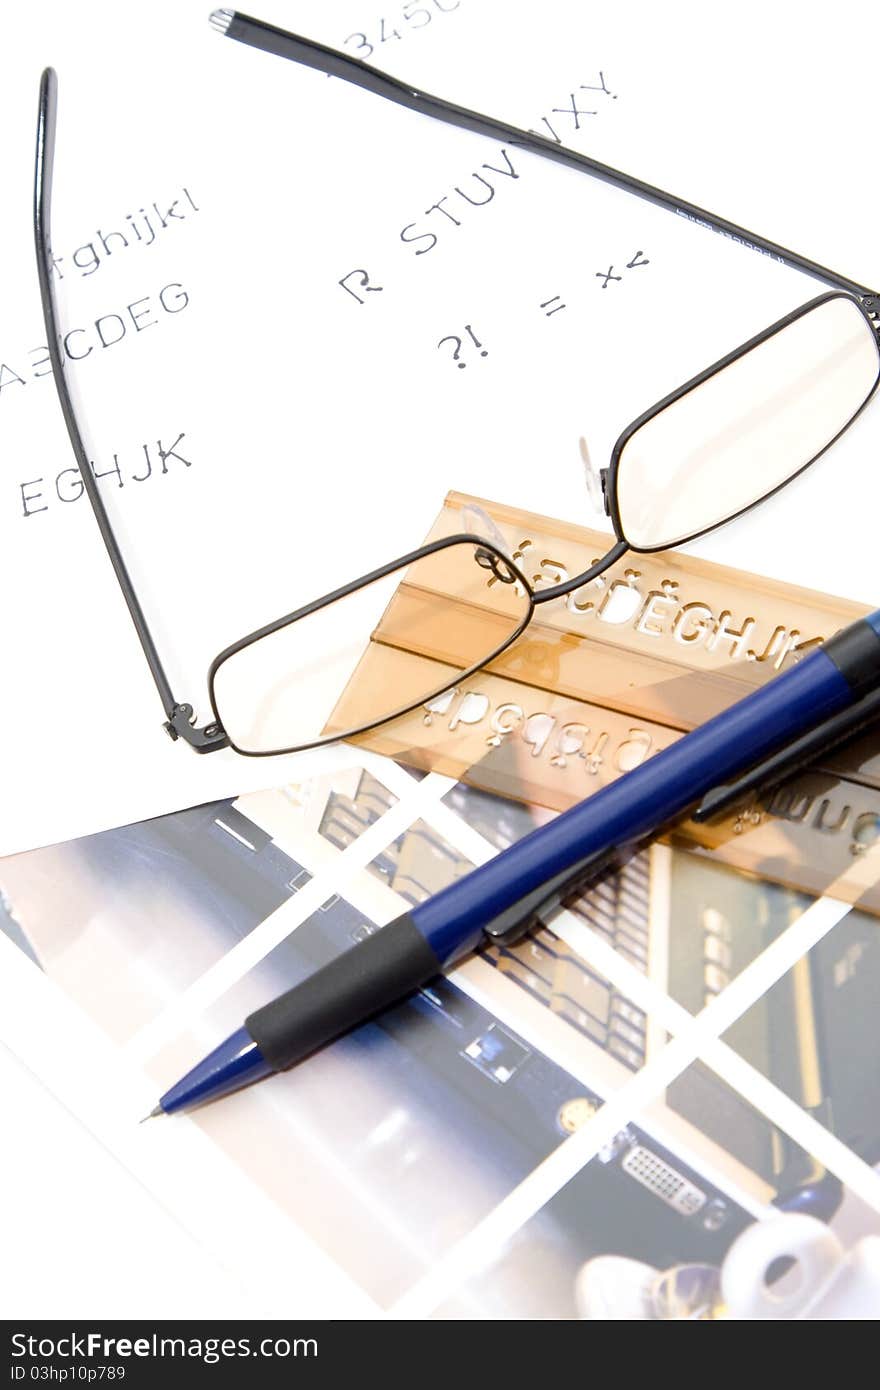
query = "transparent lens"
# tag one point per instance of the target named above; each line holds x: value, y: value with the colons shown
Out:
x: 747, y: 429
x: 386, y: 647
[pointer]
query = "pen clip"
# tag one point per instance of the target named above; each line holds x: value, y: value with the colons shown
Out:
x: 731, y: 796
x: 510, y: 926
x: 771, y: 771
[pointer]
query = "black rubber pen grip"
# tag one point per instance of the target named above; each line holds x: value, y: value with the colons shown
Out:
x: 379, y: 971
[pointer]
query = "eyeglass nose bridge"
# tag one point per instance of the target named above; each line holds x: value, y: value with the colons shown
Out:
x: 617, y: 551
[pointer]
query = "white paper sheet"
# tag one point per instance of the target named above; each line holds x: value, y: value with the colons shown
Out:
x: 319, y: 435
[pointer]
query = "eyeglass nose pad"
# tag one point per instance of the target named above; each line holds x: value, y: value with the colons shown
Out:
x: 593, y: 480
x: 478, y: 522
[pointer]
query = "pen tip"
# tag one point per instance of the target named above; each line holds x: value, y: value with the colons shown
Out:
x: 156, y: 1110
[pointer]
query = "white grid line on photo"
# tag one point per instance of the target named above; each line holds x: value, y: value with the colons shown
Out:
x: 696, y: 1036
x: 739, y: 1074
x: 766, y: 1098
x: 226, y: 972
x: 586, y: 1062
x: 398, y: 779
x: 484, y: 1242
x: 423, y: 798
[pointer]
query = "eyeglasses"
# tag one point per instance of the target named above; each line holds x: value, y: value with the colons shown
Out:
x: 716, y: 447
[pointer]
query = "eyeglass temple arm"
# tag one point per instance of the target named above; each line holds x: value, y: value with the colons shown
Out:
x: 280, y: 42
x: 179, y: 716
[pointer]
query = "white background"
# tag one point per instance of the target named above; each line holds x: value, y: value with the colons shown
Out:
x: 324, y: 434
x: 81, y: 1236
x: 766, y: 114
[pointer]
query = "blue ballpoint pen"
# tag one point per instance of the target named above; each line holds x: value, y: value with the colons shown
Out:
x: 502, y: 898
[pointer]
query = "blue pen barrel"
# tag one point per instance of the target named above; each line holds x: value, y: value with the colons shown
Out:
x: 641, y: 801
x: 409, y: 951
x: 235, y: 1063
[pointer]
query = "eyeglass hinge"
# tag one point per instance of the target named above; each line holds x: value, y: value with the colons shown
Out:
x: 204, y: 740
x: 871, y: 305
x: 603, y: 479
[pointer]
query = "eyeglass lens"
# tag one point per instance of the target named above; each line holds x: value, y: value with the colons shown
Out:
x: 750, y: 427
x: 313, y: 680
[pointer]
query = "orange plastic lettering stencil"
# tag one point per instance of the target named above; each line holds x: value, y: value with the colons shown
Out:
x: 605, y: 677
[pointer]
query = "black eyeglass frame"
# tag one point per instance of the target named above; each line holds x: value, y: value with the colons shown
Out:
x: 487, y: 554
x: 181, y: 721
x: 610, y: 475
